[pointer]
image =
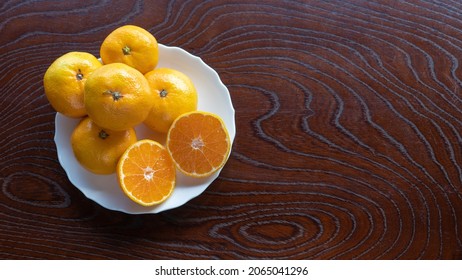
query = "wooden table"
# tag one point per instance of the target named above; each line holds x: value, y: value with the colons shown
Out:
x: 348, y: 144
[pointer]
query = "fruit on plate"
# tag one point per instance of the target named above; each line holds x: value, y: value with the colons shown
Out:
x: 174, y: 94
x: 64, y: 82
x: 98, y: 149
x: 124, y: 92
x: 146, y: 173
x: 117, y: 97
x: 131, y: 45
x: 198, y: 143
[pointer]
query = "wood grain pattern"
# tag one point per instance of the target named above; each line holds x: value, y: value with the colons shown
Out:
x: 348, y: 143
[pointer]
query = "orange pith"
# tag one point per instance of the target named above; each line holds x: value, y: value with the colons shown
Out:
x: 146, y: 173
x: 198, y: 143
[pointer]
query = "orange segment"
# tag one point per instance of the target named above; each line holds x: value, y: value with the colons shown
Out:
x: 198, y: 143
x: 146, y: 173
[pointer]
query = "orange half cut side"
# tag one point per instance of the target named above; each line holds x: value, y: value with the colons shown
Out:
x: 146, y: 173
x: 198, y: 143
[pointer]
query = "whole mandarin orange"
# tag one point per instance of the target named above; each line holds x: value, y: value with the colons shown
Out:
x: 117, y: 97
x: 98, y: 149
x: 131, y: 45
x: 65, y: 79
x: 173, y: 93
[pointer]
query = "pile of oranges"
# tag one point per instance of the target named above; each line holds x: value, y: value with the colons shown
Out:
x: 122, y: 90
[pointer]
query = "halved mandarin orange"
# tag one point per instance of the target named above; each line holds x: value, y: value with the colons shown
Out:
x: 146, y: 173
x: 198, y: 143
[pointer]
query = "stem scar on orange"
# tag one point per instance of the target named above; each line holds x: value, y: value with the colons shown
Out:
x: 117, y: 96
x: 98, y: 149
x: 64, y: 82
x: 146, y: 173
x: 131, y: 45
x: 198, y: 143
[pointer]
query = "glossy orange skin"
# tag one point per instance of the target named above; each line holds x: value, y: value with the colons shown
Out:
x: 117, y: 97
x: 64, y: 82
x: 97, y: 149
x: 174, y: 94
x: 131, y: 45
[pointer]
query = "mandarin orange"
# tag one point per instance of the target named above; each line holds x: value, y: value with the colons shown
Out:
x: 117, y: 96
x: 198, y: 143
x: 173, y: 93
x: 98, y: 149
x: 131, y: 45
x: 146, y: 173
x: 64, y: 82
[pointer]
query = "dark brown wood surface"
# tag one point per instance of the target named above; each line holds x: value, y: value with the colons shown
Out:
x: 348, y: 144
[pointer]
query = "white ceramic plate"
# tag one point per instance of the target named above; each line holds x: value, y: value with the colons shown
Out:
x: 104, y: 189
